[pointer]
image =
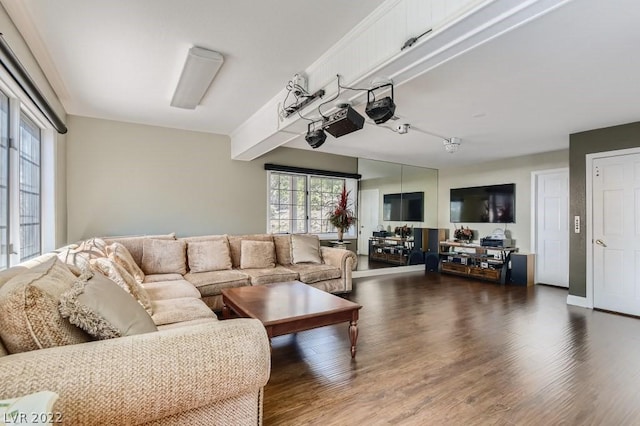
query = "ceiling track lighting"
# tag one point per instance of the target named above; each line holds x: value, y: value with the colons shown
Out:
x: 381, y: 110
x: 451, y: 145
x: 316, y: 137
x: 199, y: 70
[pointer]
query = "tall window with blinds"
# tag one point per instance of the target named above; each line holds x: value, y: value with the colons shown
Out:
x: 30, y: 189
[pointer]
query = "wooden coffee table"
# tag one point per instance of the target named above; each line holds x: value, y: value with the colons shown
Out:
x: 291, y: 307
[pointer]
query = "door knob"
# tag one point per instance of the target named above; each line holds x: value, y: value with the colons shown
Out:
x: 600, y: 243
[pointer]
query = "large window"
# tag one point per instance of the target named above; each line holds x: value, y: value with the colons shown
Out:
x: 287, y: 203
x: 323, y: 193
x: 21, y: 199
x: 300, y: 203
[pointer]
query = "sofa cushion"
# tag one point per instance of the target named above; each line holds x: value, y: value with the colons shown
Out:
x: 178, y: 310
x: 305, y: 248
x: 270, y: 275
x: 212, y: 283
x: 163, y: 290
x: 283, y: 248
x: 312, y: 273
x: 135, y: 243
x: 154, y: 278
x: 119, y: 253
x: 208, y: 255
x: 235, y: 245
x: 29, y: 316
x: 257, y: 254
x: 164, y: 257
x: 121, y: 277
x: 103, y: 309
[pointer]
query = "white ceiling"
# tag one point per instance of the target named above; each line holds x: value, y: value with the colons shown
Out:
x: 121, y: 59
x: 524, y: 92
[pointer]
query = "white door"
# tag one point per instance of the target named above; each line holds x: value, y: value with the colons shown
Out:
x: 368, y: 218
x: 616, y: 233
x: 552, y: 228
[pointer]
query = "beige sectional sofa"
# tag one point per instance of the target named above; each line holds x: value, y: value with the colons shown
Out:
x: 333, y: 275
x: 172, y: 363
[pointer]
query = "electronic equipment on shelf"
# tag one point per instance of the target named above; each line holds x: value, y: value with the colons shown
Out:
x: 496, y: 239
x: 493, y: 242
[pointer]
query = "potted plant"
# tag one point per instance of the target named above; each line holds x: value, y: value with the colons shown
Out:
x: 342, y: 216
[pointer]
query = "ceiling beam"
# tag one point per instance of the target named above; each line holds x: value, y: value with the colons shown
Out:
x: 373, y: 50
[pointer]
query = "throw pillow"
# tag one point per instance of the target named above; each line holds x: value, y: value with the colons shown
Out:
x: 75, y: 257
x: 29, y: 317
x: 124, y: 280
x: 164, y: 257
x: 122, y: 257
x: 283, y: 248
x: 103, y: 309
x: 210, y: 255
x: 305, y: 249
x: 257, y: 254
x: 94, y: 247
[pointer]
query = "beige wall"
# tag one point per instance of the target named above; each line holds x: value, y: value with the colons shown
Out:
x: 126, y: 178
x: 516, y: 170
x: 22, y: 51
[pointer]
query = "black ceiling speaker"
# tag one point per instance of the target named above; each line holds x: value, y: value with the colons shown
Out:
x: 380, y: 110
x: 315, y: 138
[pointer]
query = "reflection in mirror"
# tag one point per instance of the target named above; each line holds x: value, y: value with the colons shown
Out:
x: 388, y: 193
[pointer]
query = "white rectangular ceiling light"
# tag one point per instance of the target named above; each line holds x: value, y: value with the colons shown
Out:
x: 199, y: 70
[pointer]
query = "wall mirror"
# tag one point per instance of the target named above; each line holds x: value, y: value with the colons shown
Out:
x: 393, y: 195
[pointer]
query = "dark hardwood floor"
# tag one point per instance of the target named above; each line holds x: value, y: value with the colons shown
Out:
x: 439, y: 349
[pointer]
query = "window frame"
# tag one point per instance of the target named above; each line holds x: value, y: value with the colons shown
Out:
x: 21, y: 106
x: 351, y: 184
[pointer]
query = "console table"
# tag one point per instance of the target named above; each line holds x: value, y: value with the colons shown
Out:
x: 475, y: 261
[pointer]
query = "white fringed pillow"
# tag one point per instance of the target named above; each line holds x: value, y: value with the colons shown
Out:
x: 100, y: 307
x: 124, y: 280
x: 119, y: 254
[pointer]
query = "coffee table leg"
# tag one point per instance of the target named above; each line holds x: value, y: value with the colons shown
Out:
x: 226, y: 314
x: 353, y: 336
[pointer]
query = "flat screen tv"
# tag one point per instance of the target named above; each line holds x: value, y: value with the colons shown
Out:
x: 404, y: 207
x: 484, y: 204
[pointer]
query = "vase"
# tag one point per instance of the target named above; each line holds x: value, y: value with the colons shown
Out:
x: 340, y: 234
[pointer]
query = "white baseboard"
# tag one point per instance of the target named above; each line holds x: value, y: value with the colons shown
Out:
x: 578, y: 301
x: 387, y: 271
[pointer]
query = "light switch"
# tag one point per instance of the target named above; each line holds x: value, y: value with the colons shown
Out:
x: 576, y: 224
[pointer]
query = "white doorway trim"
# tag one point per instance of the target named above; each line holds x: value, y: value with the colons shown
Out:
x: 534, y: 211
x: 589, y: 216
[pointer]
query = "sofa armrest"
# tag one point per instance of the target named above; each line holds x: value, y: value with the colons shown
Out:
x: 346, y: 260
x: 138, y: 379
